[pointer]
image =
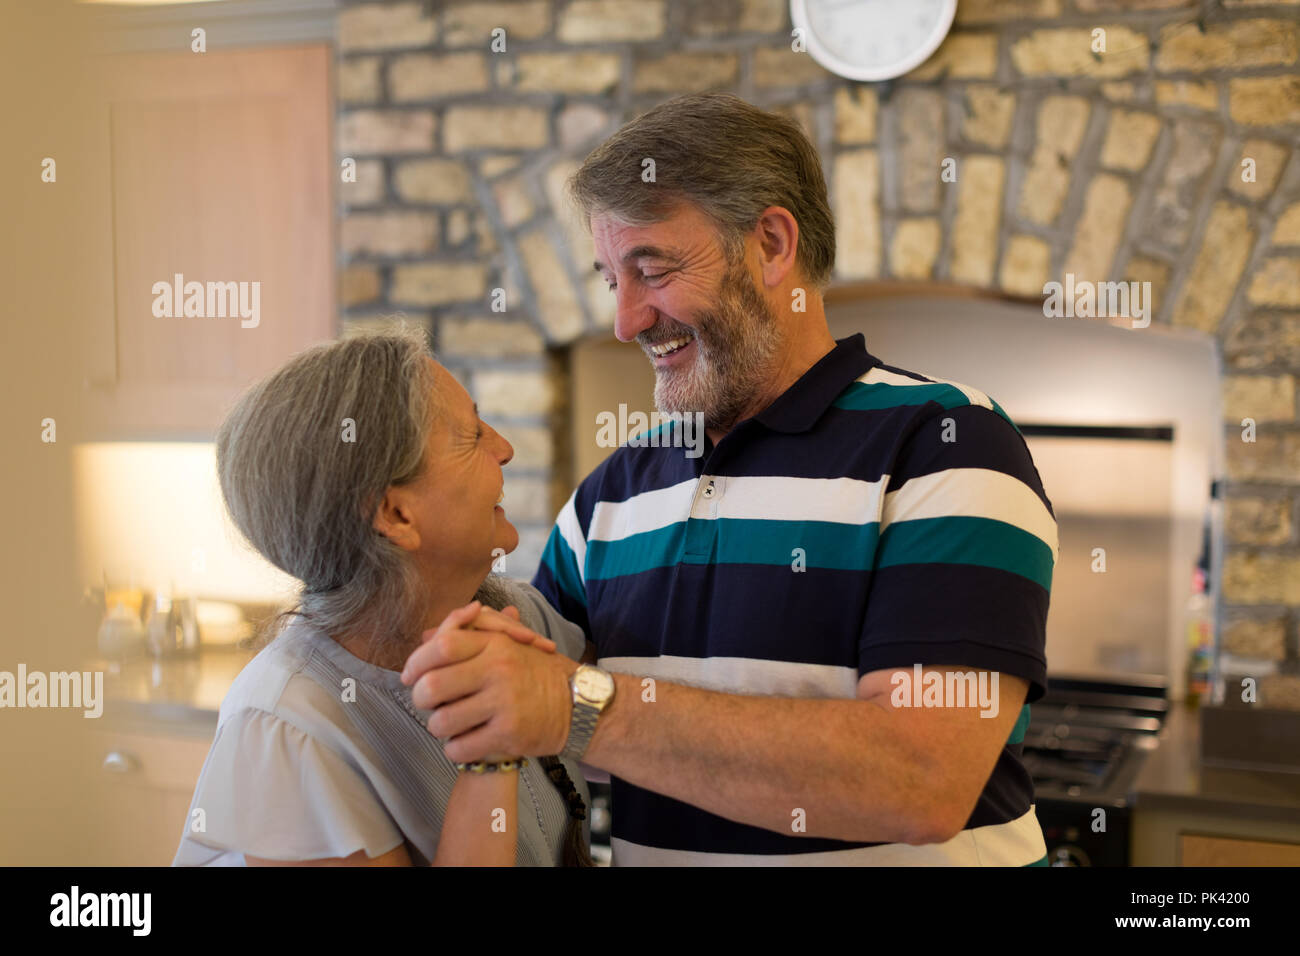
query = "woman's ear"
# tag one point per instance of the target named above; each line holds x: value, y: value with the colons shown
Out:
x: 394, y: 520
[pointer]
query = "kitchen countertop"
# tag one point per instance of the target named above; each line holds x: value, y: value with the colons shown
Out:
x: 171, y: 695
x: 1174, y: 778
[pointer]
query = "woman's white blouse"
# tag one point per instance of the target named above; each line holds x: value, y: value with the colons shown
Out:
x: 320, y: 754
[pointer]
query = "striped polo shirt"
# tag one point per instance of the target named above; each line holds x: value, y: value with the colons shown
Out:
x: 869, y: 518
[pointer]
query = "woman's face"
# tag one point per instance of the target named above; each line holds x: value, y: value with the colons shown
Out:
x: 452, y: 508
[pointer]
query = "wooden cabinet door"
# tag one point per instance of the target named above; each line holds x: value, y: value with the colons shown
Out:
x: 1199, y: 850
x: 219, y: 169
x: 141, y: 799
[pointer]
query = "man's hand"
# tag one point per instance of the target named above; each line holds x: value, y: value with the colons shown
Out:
x: 490, y: 691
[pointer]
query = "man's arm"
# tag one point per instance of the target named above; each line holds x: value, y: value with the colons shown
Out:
x: 861, y: 770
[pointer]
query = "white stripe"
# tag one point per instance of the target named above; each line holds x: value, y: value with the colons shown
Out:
x: 780, y: 498
x: 974, y: 492
x: 1017, y: 843
x: 648, y: 511
x: 772, y: 497
x: 571, y: 531
x: 880, y: 376
x: 742, y: 675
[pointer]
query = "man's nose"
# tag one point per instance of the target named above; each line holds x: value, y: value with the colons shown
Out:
x: 632, y: 313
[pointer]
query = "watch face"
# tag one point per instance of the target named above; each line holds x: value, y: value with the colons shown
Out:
x: 593, y: 684
x: 872, y: 39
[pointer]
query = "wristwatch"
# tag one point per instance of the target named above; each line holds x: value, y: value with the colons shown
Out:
x: 593, y: 689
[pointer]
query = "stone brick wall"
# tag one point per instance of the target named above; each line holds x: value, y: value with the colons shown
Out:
x: 1125, y: 164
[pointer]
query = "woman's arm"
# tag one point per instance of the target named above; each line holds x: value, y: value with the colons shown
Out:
x: 478, y: 828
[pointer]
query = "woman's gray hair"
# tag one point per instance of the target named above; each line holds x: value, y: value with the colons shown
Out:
x: 304, y: 460
x: 723, y: 155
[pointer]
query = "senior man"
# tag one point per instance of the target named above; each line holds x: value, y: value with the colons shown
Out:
x: 816, y: 642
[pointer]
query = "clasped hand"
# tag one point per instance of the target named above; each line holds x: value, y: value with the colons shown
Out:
x: 497, y: 689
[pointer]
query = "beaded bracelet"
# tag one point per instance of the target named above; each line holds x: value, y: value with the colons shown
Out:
x: 504, y: 766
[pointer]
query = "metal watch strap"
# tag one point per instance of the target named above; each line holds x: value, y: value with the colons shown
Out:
x: 581, y: 728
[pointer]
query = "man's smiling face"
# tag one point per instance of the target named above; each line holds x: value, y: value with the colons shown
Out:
x: 703, y: 322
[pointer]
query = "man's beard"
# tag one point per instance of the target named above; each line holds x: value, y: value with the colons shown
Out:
x: 734, y: 349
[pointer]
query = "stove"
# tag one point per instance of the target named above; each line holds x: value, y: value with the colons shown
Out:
x: 1086, y: 742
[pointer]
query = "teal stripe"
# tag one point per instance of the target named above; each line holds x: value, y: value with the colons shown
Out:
x: 825, y: 544
x: 861, y: 396
x: 984, y: 542
x: 1041, y: 861
x: 962, y: 539
x: 563, y: 565
x: 1022, y: 724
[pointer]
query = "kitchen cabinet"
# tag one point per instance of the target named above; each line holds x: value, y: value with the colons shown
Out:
x: 1218, y: 851
x: 1192, y: 813
x: 146, y: 780
x: 216, y: 172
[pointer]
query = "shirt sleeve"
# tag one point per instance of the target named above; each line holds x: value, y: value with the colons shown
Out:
x: 270, y: 790
x: 560, y: 575
x: 967, y: 543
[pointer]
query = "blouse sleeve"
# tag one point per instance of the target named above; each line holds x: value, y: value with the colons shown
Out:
x: 270, y: 790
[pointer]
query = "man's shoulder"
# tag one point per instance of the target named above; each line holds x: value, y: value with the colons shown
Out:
x: 889, y: 387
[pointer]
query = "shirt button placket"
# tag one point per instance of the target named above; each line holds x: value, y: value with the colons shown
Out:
x: 701, y: 527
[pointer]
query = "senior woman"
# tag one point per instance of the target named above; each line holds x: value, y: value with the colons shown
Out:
x: 362, y: 469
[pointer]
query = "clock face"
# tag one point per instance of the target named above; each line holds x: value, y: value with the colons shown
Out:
x: 872, y: 39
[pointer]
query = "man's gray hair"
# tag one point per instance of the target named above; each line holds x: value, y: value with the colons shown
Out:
x: 723, y: 155
x: 304, y: 460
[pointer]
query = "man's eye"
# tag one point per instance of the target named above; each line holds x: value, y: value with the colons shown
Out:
x: 644, y: 275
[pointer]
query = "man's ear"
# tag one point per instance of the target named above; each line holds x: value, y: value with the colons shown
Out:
x: 394, y: 520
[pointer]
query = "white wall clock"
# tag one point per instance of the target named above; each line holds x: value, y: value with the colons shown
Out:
x: 871, y: 40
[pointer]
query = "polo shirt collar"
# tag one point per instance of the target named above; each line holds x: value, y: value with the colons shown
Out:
x: 799, y: 407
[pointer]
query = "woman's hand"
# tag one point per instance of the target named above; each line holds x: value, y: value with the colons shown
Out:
x: 479, y: 617
x: 469, y: 625
x: 507, y: 621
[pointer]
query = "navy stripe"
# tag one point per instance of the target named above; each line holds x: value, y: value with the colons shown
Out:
x: 737, y: 611
x: 959, y: 614
x: 651, y: 819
